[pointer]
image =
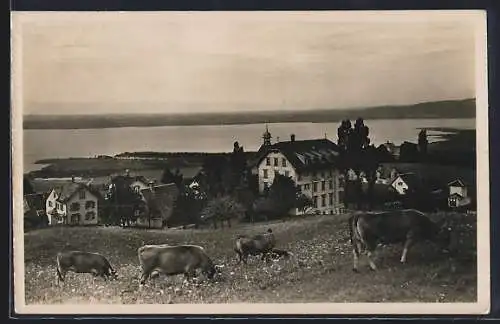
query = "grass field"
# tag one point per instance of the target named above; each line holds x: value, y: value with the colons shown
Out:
x: 319, y: 272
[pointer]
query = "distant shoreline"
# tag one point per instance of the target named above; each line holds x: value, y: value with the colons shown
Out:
x: 459, y: 109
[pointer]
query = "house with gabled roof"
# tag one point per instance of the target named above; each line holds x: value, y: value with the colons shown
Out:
x: 458, y: 195
x: 405, y: 182
x: 73, y: 203
x: 311, y: 164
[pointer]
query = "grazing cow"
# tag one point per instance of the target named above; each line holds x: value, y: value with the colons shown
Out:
x: 258, y: 244
x: 83, y: 262
x: 174, y: 260
x: 408, y: 226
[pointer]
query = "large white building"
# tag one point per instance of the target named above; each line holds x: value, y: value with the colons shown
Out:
x: 312, y: 164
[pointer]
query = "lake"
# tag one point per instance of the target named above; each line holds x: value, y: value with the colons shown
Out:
x: 62, y: 143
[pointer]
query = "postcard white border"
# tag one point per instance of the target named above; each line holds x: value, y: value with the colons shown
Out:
x: 482, y: 306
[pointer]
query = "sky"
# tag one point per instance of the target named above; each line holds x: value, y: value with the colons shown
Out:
x: 172, y: 62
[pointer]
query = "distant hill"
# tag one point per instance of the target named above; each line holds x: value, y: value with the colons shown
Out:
x: 440, y: 109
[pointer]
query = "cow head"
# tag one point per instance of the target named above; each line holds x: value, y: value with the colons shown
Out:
x: 210, y: 270
x: 114, y: 275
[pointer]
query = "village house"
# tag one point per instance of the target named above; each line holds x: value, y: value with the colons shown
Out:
x: 458, y: 195
x: 136, y: 183
x: 73, y: 204
x: 310, y: 164
x: 405, y: 182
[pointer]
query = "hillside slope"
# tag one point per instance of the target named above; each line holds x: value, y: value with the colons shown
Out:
x: 320, y: 272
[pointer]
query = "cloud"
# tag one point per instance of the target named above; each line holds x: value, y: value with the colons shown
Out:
x: 263, y: 61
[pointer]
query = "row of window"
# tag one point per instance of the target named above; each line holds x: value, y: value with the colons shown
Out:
x: 88, y: 205
x: 89, y: 216
x: 266, y: 173
x: 74, y: 206
x: 307, y: 186
x: 276, y: 161
x: 321, y: 201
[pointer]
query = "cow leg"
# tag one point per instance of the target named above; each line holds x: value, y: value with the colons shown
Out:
x: 355, y: 254
x: 239, y: 258
x: 370, y: 260
x: 408, y: 243
x: 144, y: 276
x: 370, y: 251
x: 61, y: 275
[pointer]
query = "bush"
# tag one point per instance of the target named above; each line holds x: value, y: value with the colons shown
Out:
x: 222, y: 209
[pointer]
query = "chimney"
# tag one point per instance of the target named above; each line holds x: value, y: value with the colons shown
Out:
x: 292, y: 138
x: 72, y: 178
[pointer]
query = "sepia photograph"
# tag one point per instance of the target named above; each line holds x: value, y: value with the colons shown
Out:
x: 225, y: 162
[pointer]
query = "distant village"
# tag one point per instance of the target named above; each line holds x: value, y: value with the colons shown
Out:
x: 293, y: 176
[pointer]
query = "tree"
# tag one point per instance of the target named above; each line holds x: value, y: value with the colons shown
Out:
x: 304, y: 202
x: 169, y: 177
x: 283, y: 195
x: 408, y: 152
x: 27, y: 186
x: 187, y: 207
x: 124, y: 202
x: 422, y: 143
x: 343, y: 133
x: 222, y: 209
x: 238, y: 163
x: 359, y: 156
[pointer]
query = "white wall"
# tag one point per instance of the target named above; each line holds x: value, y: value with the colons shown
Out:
x: 272, y: 169
x: 311, y: 184
x: 400, y: 186
x: 82, y: 210
x: 459, y: 190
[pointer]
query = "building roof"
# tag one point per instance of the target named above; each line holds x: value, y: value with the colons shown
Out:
x: 457, y: 183
x: 160, y: 199
x: 68, y: 190
x: 306, y: 154
x: 129, y: 179
x: 456, y: 195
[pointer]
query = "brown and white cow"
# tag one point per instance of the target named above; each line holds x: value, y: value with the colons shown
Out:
x: 259, y: 244
x: 173, y: 260
x: 83, y: 262
x: 368, y: 229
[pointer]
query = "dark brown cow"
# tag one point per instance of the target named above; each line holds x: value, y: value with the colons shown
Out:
x: 408, y: 226
x: 174, y: 260
x: 260, y: 244
x: 83, y: 262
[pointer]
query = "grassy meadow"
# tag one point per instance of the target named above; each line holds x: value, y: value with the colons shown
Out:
x: 320, y: 270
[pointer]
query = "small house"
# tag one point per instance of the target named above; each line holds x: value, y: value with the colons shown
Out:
x: 73, y: 204
x: 458, y: 195
x: 405, y: 182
